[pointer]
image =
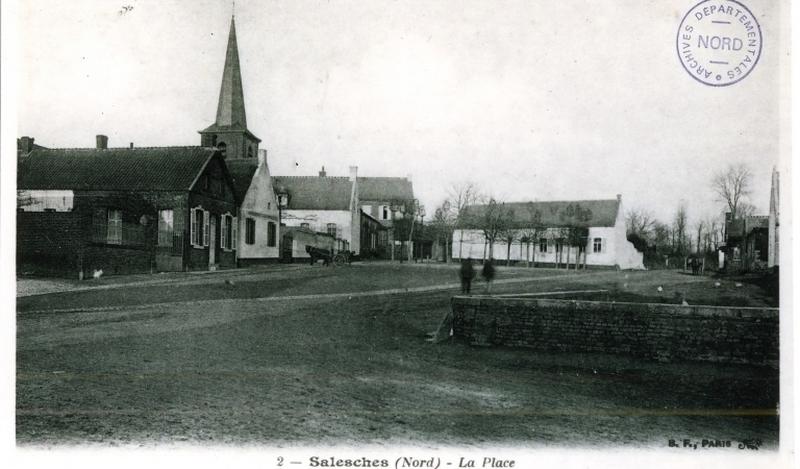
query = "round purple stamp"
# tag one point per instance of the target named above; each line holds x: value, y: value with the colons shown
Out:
x: 719, y: 42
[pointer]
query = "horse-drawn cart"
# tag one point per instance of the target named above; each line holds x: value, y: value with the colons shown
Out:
x: 327, y: 256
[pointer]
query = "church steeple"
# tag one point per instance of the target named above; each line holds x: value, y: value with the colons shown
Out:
x: 229, y: 132
x: 230, y: 110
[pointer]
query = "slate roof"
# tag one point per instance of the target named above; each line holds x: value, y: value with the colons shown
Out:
x: 315, y: 192
x: 599, y: 213
x: 384, y: 188
x: 143, y: 168
x: 242, y: 172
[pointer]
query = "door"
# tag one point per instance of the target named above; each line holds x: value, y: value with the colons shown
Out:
x: 212, y: 240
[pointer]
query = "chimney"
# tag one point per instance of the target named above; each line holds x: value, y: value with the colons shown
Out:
x: 131, y: 145
x: 262, y: 156
x: 353, y: 173
x: 619, y: 197
x: 322, y: 172
x: 408, y: 177
x: 102, y: 142
x: 26, y: 144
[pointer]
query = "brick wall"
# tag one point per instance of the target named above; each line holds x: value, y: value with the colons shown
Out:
x: 654, y: 331
x: 49, y: 243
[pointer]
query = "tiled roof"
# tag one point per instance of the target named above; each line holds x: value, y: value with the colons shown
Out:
x: 384, y: 188
x: 315, y: 192
x: 242, y: 171
x: 583, y: 213
x: 143, y: 168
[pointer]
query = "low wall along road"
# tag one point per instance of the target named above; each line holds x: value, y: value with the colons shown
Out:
x: 656, y: 331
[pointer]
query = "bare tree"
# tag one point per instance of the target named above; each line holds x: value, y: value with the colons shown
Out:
x: 531, y: 231
x: 731, y: 186
x: 460, y: 196
x: 443, y: 227
x: 700, y: 228
x: 640, y: 222
x: 494, y: 219
x: 679, y: 226
x: 746, y: 209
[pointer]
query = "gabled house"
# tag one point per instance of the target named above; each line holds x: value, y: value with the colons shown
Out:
x: 124, y: 210
x: 323, y: 204
x: 259, y: 218
x: 386, y: 199
x: 540, y: 232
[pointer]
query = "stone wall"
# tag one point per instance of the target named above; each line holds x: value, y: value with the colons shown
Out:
x: 655, y: 331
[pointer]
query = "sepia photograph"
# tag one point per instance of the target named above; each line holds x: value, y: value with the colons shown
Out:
x: 400, y: 233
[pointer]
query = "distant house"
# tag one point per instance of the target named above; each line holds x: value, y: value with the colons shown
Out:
x: 540, y: 232
x: 386, y: 199
x: 746, y: 241
x: 752, y: 241
x: 124, y: 210
x: 323, y: 204
x: 374, y: 237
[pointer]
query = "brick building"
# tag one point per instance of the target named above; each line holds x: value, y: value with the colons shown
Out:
x: 124, y: 210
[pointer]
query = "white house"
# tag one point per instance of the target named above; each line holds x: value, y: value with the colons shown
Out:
x: 326, y: 204
x: 538, y: 233
x: 259, y: 219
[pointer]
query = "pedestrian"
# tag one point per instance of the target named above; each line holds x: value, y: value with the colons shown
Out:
x: 467, y: 273
x: 488, y: 274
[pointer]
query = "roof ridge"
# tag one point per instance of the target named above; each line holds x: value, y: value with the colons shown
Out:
x: 551, y: 201
x: 312, y: 177
x: 87, y: 149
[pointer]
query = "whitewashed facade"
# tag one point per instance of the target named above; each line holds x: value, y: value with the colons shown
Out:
x: 607, y: 244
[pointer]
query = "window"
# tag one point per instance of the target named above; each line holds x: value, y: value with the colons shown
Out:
x: 283, y: 200
x: 44, y: 200
x: 542, y: 244
x: 166, y: 227
x: 222, y: 147
x: 114, y: 232
x: 199, y: 227
x: 559, y: 245
x: 249, y: 151
x: 305, y: 225
x: 385, y: 214
x: 597, y: 245
x: 271, y: 234
x: 332, y: 229
x: 228, y: 232
x: 249, y: 231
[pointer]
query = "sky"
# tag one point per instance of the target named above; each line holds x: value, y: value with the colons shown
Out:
x: 533, y: 100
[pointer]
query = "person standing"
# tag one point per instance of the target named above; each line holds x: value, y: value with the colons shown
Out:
x: 467, y: 273
x: 488, y: 274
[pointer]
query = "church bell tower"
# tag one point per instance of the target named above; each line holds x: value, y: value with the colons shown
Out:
x: 229, y: 133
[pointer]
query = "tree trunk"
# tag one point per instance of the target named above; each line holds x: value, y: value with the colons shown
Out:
x: 528, y: 254
x: 508, y: 254
x: 460, y: 242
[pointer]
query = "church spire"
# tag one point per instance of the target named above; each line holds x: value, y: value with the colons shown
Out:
x: 230, y: 110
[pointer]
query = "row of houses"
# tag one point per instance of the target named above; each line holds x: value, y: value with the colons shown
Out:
x: 589, y: 232
x: 216, y: 205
